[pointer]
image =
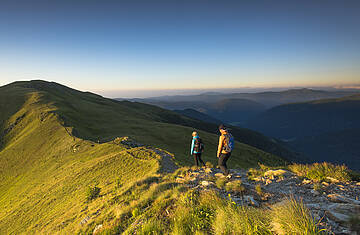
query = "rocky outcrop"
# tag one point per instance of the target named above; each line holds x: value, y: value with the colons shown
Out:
x: 331, y: 204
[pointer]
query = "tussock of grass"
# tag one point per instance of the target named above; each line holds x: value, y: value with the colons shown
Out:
x: 221, y: 182
x: 319, y: 172
x: 292, y: 217
x: 235, y: 186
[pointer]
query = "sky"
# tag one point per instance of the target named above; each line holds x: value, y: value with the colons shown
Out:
x: 146, y: 48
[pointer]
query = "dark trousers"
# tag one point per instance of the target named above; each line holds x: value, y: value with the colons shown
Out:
x: 197, y: 159
x: 222, y: 162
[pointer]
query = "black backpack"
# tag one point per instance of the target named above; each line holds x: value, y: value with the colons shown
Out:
x: 199, y: 145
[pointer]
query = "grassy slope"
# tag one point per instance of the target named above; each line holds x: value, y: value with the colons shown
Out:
x: 43, y: 180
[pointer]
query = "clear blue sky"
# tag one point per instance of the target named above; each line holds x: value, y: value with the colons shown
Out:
x: 110, y: 46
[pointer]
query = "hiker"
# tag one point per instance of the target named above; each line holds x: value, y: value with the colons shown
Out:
x: 226, y: 145
x: 197, y: 147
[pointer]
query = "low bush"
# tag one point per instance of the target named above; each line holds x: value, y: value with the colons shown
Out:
x: 92, y: 193
x: 209, y: 165
x: 258, y: 190
x: 235, y: 186
x: 220, y: 183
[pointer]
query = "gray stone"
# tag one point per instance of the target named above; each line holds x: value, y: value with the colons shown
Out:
x: 342, y: 199
x: 206, y: 183
x: 85, y: 220
x: 251, y: 201
x: 97, y: 228
x: 337, y: 217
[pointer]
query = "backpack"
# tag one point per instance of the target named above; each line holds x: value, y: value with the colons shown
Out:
x: 228, y: 143
x: 199, y: 145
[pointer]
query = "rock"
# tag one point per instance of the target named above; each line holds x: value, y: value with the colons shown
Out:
x: 325, y: 184
x: 251, y: 201
x: 97, y: 228
x: 205, y: 183
x: 192, y: 179
x: 268, y: 181
x: 315, y: 193
x: 85, y: 220
x: 337, y: 217
x: 341, y: 212
x: 180, y: 180
x: 332, y: 180
x: 306, y: 181
x: 220, y: 175
x: 273, y: 173
x: 342, y: 199
x: 313, y: 206
x: 257, y: 179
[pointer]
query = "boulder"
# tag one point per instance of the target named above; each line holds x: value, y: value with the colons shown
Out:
x: 341, y: 212
x: 251, y: 201
x: 342, y: 199
x: 337, y: 217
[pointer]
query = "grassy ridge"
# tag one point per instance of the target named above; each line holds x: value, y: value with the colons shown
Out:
x: 49, y: 153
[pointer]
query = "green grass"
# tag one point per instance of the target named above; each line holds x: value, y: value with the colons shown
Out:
x: 292, y: 217
x: 50, y: 156
x: 319, y: 172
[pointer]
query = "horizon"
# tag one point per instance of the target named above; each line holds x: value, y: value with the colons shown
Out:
x: 137, y: 49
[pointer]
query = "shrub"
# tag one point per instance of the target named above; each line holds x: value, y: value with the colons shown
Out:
x: 292, y: 217
x: 118, y: 183
x: 235, y: 186
x: 220, y: 183
x: 255, y: 173
x: 299, y: 169
x: 258, y: 190
x: 135, y: 212
x: 92, y: 193
x: 209, y: 165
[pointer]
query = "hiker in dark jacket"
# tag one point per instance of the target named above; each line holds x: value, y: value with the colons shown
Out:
x: 226, y: 145
x: 197, y: 148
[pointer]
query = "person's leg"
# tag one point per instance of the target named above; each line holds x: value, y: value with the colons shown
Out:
x: 222, y: 163
x: 226, y: 158
x: 200, y: 160
x: 196, y: 159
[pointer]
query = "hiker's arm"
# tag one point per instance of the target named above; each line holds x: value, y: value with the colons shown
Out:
x: 221, y: 142
x: 192, y: 146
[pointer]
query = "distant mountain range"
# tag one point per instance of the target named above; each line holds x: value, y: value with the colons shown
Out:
x: 239, y: 108
x: 327, y: 129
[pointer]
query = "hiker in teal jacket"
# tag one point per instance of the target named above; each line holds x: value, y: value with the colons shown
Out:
x: 197, y: 148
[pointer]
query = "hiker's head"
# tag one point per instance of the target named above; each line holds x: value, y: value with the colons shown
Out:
x: 194, y: 134
x: 222, y: 129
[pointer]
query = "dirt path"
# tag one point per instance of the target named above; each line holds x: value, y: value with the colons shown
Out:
x: 167, y: 164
